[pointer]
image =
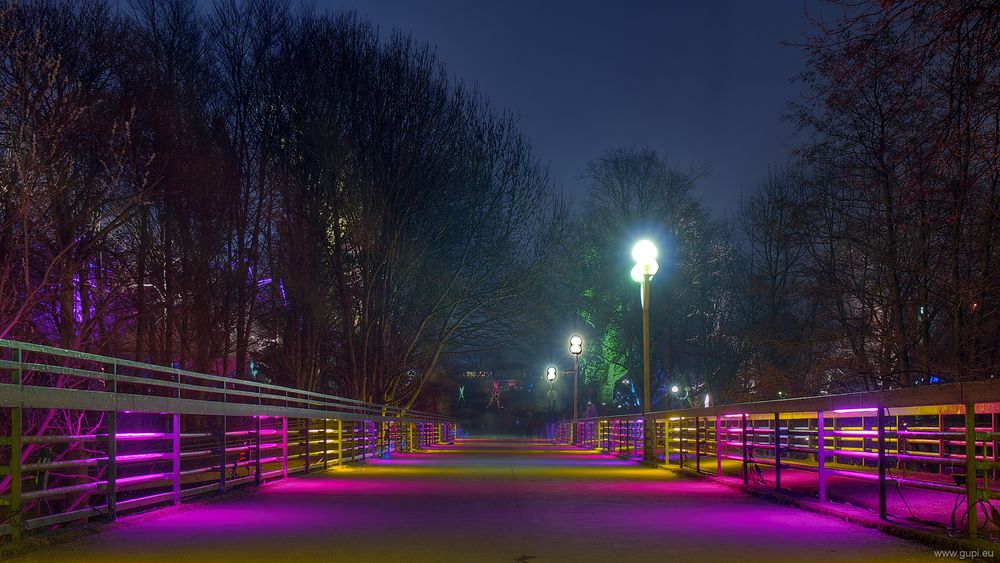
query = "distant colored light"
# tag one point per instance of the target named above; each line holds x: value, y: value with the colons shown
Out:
x: 708, y: 400
x: 866, y: 409
x: 734, y: 415
x: 675, y: 418
x: 675, y: 389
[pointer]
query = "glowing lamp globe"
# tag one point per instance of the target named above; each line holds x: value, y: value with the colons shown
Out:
x: 551, y: 373
x: 575, y: 344
x: 644, y: 253
x: 637, y: 273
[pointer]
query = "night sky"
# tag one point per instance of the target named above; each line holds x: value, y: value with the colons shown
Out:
x: 705, y: 83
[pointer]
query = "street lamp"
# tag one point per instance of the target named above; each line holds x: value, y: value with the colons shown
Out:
x: 683, y: 396
x: 551, y: 373
x: 644, y: 254
x: 575, y: 348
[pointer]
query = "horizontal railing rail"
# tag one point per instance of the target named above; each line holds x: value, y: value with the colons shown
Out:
x: 217, y: 389
x: 931, y: 437
x: 147, y: 434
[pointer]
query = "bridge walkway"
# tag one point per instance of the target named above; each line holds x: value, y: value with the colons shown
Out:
x: 487, y: 499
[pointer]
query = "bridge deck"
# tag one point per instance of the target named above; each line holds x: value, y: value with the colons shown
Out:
x: 488, y: 500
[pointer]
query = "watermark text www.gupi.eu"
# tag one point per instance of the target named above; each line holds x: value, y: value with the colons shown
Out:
x: 966, y: 554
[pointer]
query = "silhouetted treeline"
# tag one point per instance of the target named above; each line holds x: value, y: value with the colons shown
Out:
x: 257, y: 191
x: 870, y: 261
x: 873, y: 260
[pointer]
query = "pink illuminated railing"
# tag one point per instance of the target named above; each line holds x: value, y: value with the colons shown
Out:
x: 92, y: 436
x: 924, y: 438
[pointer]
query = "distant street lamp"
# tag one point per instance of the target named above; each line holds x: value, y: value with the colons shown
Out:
x: 682, y: 393
x: 575, y: 348
x: 644, y: 254
x: 551, y: 373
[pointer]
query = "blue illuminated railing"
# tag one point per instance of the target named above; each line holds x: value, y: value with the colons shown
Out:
x: 92, y: 436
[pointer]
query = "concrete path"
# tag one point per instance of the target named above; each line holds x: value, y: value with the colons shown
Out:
x: 489, y: 500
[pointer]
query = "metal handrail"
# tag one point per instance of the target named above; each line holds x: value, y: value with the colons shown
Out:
x: 354, y: 429
x: 970, y: 392
x: 287, y: 394
x: 810, y: 434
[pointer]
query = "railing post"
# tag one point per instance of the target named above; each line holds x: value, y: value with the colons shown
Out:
x: 15, y: 473
x: 222, y: 453
x: 639, y: 435
x: 777, y: 451
x: 175, y: 457
x: 666, y: 441
x: 821, y: 454
x: 284, y: 447
x: 364, y: 439
x: 719, y: 445
x: 681, y: 427
x: 942, y: 443
x: 308, y: 440
x: 996, y: 444
x: 326, y: 446
x: 340, y: 442
x: 608, y: 433
x: 15, y: 457
x: 256, y: 461
x: 613, y: 437
x: 880, y: 420
x: 971, y: 484
x: 615, y: 433
x: 697, y: 444
x: 112, y: 465
x: 746, y: 472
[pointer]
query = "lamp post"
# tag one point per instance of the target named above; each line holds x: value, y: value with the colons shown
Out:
x: 644, y: 254
x: 575, y: 347
x: 551, y: 373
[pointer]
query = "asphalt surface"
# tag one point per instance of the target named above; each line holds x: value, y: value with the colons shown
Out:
x: 488, y: 500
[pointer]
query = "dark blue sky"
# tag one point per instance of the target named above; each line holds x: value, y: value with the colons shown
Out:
x: 704, y: 83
